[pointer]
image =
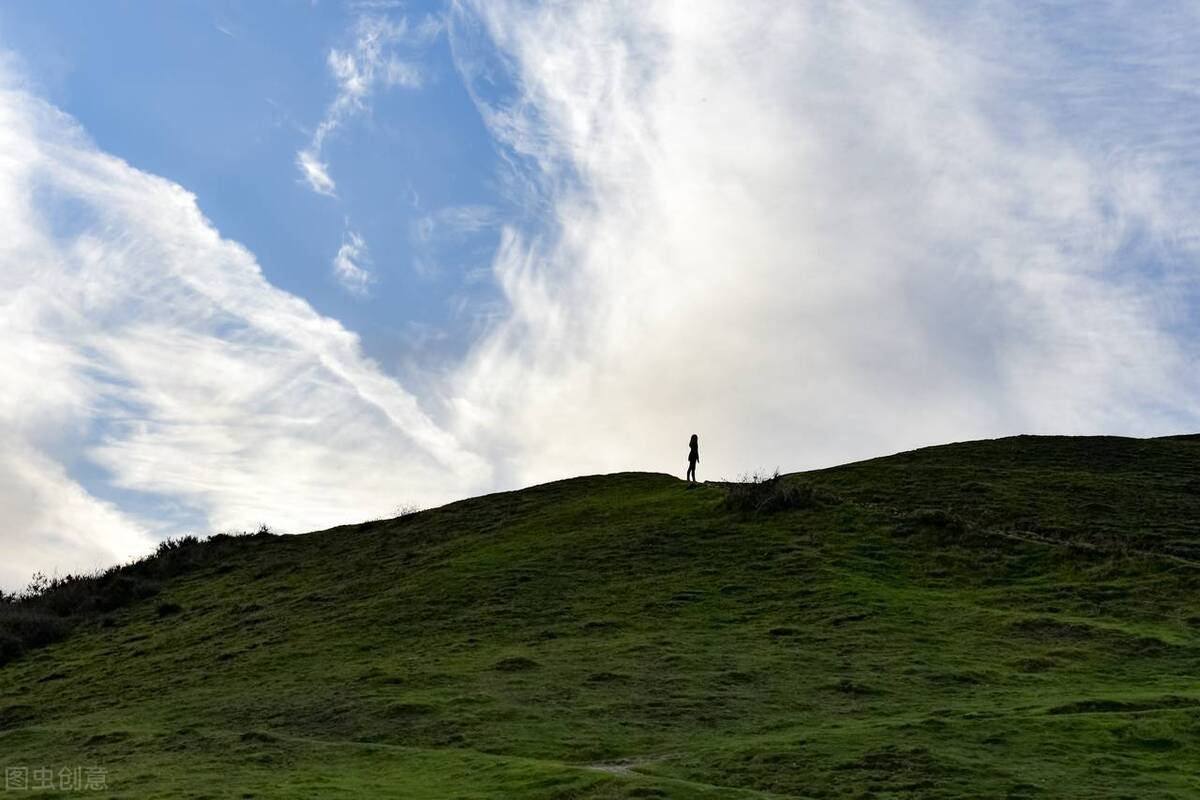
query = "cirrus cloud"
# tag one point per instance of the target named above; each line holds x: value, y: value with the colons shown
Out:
x: 369, y: 64
x: 821, y: 231
x: 808, y: 232
x: 150, y: 355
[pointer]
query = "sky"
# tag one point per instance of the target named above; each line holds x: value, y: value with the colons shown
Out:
x: 304, y: 263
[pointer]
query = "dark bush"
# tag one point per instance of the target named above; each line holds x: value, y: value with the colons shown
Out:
x: 49, y: 608
x: 762, y: 494
x: 942, y: 525
x: 119, y: 590
x: 176, y: 556
x: 34, y: 627
x: 11, y: 647
x: 168, y: 546
x: 789, y: 496
x: 167, y: 609
x: 69, y: 595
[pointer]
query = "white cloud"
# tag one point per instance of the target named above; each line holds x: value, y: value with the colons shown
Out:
x: 448, y: 227
x: 348, y: 265
x: 370, y: 63
x: 53, y: 525
x: 818, y: 231
x: 808, y: 232
x: 376, y: 5
x: 141, y: 344
x: 466, y: 219
x: 316, y: 173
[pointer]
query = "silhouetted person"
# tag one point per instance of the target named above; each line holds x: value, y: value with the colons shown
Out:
x: 693, y: 457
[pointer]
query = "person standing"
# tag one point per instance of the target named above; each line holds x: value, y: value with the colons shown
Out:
x: 693, y: 457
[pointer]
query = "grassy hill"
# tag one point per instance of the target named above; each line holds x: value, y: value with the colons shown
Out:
x: 1011, y: 619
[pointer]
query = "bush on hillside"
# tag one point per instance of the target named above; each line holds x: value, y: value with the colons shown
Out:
x: 33, y: 627
x: 11, y: 647
x: 167, y: 609
x: 759, y: 493
x: 49, y: 608
x: 941, y: 525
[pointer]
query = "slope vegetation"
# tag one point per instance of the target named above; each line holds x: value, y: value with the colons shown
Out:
x: 1014, y: 619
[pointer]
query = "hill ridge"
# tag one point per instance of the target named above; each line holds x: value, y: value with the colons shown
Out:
x: 855, y: 631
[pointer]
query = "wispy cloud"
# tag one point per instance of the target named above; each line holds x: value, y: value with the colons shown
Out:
x: 809, y: 232
x: 816, y: 231
x: 456, y: 239
x: 375, y: 5
x: 315, y: 172
x: 143, y: 347
x: 371, y: 63
x: 453, y: 223
x: 467, y: 219
x: 350, y: 264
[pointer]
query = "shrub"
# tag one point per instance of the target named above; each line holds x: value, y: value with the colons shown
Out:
x: 168, y: 546
x: 119, y: 590
x: 34, y: 627
x: 49, y: 608
x: 11, y: 647
x: 943, y: 525
x: 167, y: 609
x: 70, y: 595
x: 759, y: 493
x: 38, y: 585
x: 174, y: 556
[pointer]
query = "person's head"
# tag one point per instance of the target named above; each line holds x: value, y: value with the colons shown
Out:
x: 695, y: 440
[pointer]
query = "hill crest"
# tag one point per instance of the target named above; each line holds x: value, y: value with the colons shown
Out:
x: 930, y: 624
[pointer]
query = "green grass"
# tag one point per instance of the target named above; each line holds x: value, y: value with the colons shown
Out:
x: 1009, y: 619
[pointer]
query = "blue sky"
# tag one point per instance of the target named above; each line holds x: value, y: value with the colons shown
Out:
x: 303, y: 263
x: 219, y: 97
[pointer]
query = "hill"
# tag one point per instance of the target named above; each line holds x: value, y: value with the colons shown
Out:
x: 1013, y: 619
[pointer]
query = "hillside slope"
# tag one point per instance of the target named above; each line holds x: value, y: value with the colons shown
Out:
x: 1012, y: 618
